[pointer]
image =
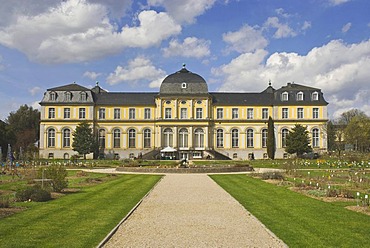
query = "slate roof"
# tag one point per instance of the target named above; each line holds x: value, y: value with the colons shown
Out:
x: 69, y: 87
x: 126, y: 98
x: 194, y: 84
x: 234, y: 99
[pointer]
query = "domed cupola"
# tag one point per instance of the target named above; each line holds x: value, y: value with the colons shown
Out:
x: 184, y: 82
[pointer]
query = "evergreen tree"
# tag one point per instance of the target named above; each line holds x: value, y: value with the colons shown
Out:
x: 298, y: 141
x: 84, y: 141
x: 271, y: 147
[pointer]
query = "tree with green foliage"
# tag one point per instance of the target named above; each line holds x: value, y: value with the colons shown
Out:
x: 24, y: 128
x: 84, y: 141
x: 271, y: 146
x: 357, y: 132
x: 4, y: 139
x: 298, y: 141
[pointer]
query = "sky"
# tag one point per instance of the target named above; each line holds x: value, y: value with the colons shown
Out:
x: 235, y: 45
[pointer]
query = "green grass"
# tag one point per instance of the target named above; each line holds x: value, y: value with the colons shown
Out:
x: 298, y: 220
x: 80, y: 219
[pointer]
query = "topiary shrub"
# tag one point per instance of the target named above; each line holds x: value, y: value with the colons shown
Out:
x: 34, y: 194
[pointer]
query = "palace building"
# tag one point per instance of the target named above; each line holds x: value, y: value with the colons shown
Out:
x: 182, y: 120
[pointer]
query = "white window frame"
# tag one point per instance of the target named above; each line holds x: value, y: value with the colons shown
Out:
x: 82, y: 113
x: 220, y: 113
x: 183, y: 113
x: 235, y: 113
x: 168, y: 113
x: 315, y: 113
x: 250, y: 113
x: 147, y: 113
x: 265, y: 113
x: 131, y: 113
x: 199, y: 113
x: 300, y: 113
x: 285, y: 96
x: 300, y: 96
x: 285, y: 113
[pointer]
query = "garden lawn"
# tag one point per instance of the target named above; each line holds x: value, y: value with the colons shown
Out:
x: 80, y: 219
x: 298, y: 220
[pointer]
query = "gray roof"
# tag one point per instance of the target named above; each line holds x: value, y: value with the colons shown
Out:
x: 126, y: 98
x: 69, y: 87
x: 230, y: 99
x: 183, y: 82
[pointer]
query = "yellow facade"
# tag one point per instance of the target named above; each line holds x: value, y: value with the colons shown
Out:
x: 183, y: 116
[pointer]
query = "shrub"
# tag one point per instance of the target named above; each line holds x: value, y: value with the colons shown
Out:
x: 4, y: 201
x: 57, y: 174
x: 272, y: 175
x: 34, y: 194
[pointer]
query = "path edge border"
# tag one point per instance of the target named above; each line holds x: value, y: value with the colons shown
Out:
x: 114, y: 230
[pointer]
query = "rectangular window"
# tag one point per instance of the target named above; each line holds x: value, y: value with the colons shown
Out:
x: 285, y: 113
x: 147, y: 114
x: 265, y: 113
x: 51, y: 113
x: 102, y: 113
x: 131, y: 113
x: 300, y: 113
x: 249, y: 113
x: 117, y: 113
x: 199, y: 113
x: 184, y: 113
x: 67, y: 113
x: 315, y: 113
x: 235, y: 113
x: 81, y: 113
x: 168, y: 113
x: 220, y: 113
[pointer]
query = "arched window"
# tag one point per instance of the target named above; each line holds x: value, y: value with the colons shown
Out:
x: 234, y: 138
x: 68, y: 96
x: 83, y: 96
x: 183, y: 138
x: 66, y: 137
x: 168, y: 137
x: 147, y: 138
x: 51, y: 137
x: 300, y: 96
x: 199, y: 138
x: 116, y: 138
x: 52, y: 96
x: 131, y: 138
x: 284, y: 96
x: 264, y: 137
x: 315, y: 137
x: 220, y: 138
x: 101, y: 138
x: 250, y: 138
x: 284, y: 134
x: 315, y: 96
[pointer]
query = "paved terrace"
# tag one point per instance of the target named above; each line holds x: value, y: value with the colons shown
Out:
x: 191, y: 211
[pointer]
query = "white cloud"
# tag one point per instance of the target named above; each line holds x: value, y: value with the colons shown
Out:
x: 92, y: 75
x: 35, y: 90
x: 190, y: 47
x: 281, y: 12
x: 337, y: 2
x: 246, y: 39
x: 346, y: 27
x: 77, y: 31
x: 306, y: 25
x: 340, y: 70
x: 282, y: 30
x: 184, y: 11
x: 137, y: 69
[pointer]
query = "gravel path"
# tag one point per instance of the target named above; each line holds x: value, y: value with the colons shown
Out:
x: 191, y: 211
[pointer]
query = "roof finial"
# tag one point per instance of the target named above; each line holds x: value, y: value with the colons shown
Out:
x: 97, y: 83
x: 183, y: 65
x: 269, y: 82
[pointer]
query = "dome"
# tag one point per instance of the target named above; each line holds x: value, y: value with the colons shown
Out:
x: 184, y: 82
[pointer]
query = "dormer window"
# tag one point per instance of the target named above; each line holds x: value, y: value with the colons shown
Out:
x: 52, y: 96
x: 83, y: 96
x: 300, y: 96
x: 315, y: 96
x: 284, y: 96
x: 68, y: 96
x: 183, y: 85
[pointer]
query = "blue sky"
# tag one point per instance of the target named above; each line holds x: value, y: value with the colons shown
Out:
x: 237, y: 46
